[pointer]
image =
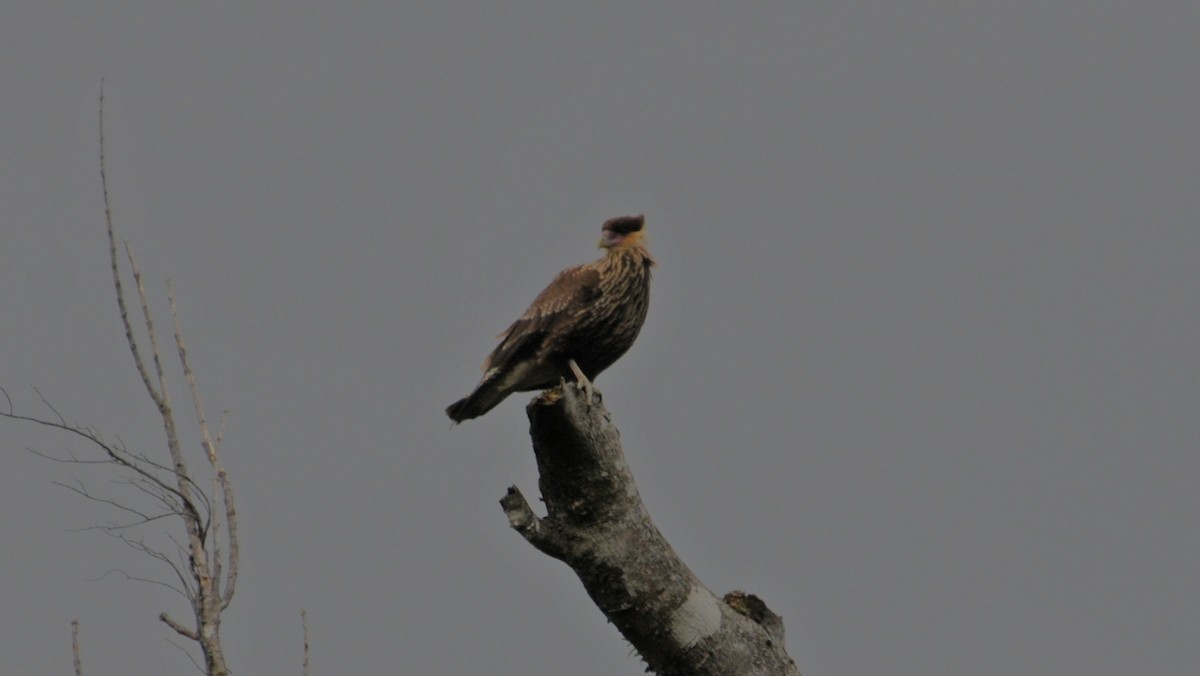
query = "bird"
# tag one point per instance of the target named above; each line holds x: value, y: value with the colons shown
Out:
x: 579, y: 325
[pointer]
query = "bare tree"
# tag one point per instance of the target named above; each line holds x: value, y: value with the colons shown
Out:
x: 597, y: 524
x: 204, y: 561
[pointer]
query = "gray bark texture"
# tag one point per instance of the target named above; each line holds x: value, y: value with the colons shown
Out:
x: 596, y: 524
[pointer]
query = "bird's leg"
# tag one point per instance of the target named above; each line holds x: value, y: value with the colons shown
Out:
x: 580, y: 379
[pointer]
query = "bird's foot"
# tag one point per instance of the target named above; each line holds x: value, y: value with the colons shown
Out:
x: 581, y: 380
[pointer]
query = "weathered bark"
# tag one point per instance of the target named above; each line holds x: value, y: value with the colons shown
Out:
x: 597, y: 524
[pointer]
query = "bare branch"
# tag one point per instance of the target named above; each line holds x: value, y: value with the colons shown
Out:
x: 163, y: 400
x: 179, y: 628
x: 71, y: 458
x: 75, y: 647
x: 191, y: 658
x: 136, y: 578
x: 164, y: 396
x: 221, y: 429
x: 188, y: 376
x: 207, y: 602
x: 81, y: 489
x: 210, y: 448
x: 61, y: 420
x: 522, y: 519
x: 214, y: 546
x: 304, y: 625
x: 116, y: 271
x: 115, y: 454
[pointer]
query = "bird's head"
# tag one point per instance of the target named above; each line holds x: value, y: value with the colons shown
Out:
x: 623, y: 231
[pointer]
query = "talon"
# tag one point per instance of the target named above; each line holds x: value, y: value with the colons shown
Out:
x: 581, y: 380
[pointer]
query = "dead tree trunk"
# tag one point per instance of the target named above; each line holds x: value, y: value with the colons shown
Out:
x: 596, y: 524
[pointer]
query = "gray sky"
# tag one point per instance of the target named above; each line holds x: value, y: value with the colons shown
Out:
x: 921, y: 365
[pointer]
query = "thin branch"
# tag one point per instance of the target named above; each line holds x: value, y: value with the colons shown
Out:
x: 147, y: 460
x: 75, y: 647
x: 304, y: 625
x: 182, y: 475
x: 116, y: 455
x: 61, y: 420
x: 221, y: 429
x: 136, y: 578
x: 190, y: 657
x: 164, y: 400
x: 188, y: 376
x: 81, y: 489
x: 210, y: 448
x: 116, y: 271
x: 155, y: 491
x: 183, y: 558
x: 215, y: 557
x: 179, y: 628
x: 70, y: 455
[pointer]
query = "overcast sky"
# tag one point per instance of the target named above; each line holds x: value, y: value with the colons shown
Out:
x: 921, y: 367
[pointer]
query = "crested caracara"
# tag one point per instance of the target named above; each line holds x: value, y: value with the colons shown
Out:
x: 577, y: 327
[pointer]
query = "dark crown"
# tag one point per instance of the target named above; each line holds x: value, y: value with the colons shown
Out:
x: 623, y: 225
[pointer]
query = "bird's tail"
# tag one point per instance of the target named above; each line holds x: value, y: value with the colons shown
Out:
x: 483, y: 399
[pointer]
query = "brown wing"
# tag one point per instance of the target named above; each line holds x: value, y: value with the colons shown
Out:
x: 558, y: 304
